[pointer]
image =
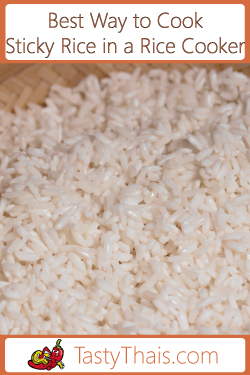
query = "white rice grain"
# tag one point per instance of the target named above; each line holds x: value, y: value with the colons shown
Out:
x: 124, y: 207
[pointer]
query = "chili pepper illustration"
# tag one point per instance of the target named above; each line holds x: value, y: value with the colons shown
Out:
x: 56, y: 356
x: 46, y: 359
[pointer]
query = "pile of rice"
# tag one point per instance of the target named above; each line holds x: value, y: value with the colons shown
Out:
x: 125, y: 207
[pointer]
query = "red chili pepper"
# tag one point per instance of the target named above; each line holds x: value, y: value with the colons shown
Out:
x: 54, y: 359
x: 56, y: 355
x: 57, y: 352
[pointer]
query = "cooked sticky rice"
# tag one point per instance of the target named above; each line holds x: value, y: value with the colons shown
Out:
x: 125, y: 206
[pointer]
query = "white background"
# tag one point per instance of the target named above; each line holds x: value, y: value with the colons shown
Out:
x: 231, y: 353
x: 220, y: 20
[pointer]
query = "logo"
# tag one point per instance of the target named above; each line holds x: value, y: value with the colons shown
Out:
x: 46, y: 359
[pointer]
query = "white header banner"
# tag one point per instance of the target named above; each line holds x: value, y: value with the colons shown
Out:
x: 107, y: 355
x: 133, y: 32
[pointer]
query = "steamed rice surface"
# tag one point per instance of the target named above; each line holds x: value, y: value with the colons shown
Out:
x: 125, y: 207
